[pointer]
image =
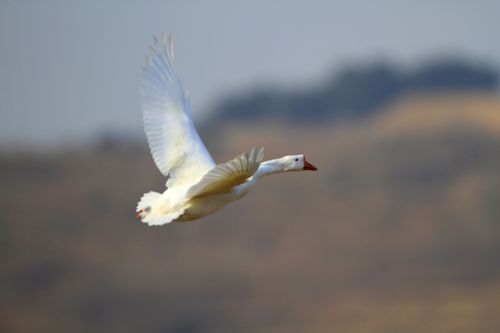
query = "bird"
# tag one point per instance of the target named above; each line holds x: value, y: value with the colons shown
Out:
x: 195, y: 186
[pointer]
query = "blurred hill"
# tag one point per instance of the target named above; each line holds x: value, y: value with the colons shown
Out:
x: 398, y: 231
x: 359, y: 90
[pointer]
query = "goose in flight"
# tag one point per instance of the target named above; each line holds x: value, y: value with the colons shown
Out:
x: 196, y: 186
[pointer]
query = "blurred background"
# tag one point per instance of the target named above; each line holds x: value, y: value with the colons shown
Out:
x: 396, y: 102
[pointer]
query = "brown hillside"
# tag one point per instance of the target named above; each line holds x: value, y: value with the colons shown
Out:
x: 398, y: 231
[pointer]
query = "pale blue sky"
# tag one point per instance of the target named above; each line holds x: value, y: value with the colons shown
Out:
x: 69, y: 69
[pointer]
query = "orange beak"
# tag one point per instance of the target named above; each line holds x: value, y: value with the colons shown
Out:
x: 309, y: 166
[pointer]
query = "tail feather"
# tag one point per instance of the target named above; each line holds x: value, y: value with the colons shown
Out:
x: 147, y: 200
x: 154, y: 212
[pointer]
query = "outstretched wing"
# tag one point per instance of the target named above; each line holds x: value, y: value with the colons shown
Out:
x: 226, y: 176
x: 175, y: 145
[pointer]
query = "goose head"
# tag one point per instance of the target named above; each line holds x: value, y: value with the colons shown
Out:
x: 296, y: 163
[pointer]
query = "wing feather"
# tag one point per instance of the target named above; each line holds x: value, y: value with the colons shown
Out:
x: 224, y: 177
x: 173, y: 140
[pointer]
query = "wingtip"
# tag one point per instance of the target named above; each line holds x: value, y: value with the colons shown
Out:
x: 260, y: 154
x: 251, y: 154
x: 171, y: 47
x: 165, y: 40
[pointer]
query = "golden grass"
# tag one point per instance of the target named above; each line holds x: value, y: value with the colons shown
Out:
x: 396, y: 232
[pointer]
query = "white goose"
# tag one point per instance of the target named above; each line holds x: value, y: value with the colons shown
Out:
x: 196, y: 187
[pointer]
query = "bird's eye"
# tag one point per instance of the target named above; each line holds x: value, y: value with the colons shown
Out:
x: 296, y: 160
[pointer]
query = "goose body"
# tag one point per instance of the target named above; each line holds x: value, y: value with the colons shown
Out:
x: 196, y: 186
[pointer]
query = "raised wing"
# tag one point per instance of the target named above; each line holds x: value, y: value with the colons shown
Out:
x: 175, y: 145
x: 226, y: 176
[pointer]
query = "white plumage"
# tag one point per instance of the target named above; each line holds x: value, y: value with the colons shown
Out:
x: 196, y: 186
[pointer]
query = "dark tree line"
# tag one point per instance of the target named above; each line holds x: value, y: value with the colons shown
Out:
x: 360, y: 90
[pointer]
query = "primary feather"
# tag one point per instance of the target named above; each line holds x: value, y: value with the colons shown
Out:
x: 175, y: 145
x: 224, y: 177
